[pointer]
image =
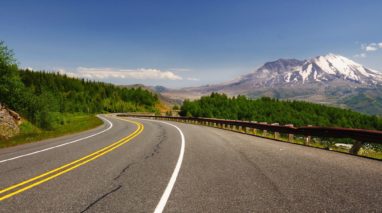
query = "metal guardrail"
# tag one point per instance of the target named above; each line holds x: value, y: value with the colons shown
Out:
x: 360, y: 135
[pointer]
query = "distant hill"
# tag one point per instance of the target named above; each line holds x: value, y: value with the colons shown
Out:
x: 329, y: 79
x: 165, y: 103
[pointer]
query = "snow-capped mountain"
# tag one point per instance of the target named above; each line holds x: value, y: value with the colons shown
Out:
x: 330, y: 78
x: 325, y: 69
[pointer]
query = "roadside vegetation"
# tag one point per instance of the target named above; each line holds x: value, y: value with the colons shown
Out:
x: 270, y: 110
x: 69, y: 123
x: 52, y: 104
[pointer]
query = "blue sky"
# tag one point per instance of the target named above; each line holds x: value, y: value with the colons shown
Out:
x: 185, y: 43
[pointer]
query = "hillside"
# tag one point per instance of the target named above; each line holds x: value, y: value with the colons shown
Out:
x: 165, y: 101
x: 43, y: 98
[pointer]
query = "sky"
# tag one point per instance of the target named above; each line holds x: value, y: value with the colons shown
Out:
x: 183, y: 43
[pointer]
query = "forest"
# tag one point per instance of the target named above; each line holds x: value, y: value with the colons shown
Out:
x: 41, y: 97
x: 298, y: 113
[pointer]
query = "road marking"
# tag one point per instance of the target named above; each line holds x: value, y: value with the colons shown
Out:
x: 171, y: 183
x: 70, y: 166
x: 167, y: 192
x: 64, y: 144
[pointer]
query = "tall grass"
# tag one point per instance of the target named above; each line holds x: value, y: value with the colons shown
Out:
x: 63, y: 124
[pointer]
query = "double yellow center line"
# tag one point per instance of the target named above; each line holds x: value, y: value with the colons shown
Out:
x: 35, y: 181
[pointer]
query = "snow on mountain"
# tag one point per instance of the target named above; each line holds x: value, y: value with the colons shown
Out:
x: 345, y: 68
x: 323, y: 69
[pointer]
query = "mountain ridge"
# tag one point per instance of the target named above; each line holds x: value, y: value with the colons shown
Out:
x: 328, y: 79
x: 323, y: 69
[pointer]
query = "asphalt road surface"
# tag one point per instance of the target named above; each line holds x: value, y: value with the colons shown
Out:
x: 138, y: 165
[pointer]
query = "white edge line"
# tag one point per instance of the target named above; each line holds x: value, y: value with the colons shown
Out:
x: 64, y: 144
x: 166, y: 194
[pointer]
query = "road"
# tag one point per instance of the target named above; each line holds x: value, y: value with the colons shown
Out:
x: 147, y: 166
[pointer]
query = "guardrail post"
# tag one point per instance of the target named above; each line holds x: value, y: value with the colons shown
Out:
x: 254, y: 130
x: 308, y: 139
x: 290, y: 136
x: 356, y: 147
x: 276, y: 134
x: 264, y: 131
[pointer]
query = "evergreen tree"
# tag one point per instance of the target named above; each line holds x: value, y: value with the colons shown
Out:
x: 270, y: 110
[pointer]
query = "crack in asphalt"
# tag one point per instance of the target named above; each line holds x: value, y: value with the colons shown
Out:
x: 156, y: 148
x: 161, y: 137
x: 102, y: 197
x: 124, y: 170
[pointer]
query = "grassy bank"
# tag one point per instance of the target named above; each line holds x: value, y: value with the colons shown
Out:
x: 67, y: 123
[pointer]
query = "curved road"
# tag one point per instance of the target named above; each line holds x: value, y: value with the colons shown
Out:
x: 145, y: 166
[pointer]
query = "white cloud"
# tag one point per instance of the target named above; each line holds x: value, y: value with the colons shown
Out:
x: 103, y: 73
x: 70, y: 74
x: 192, y: 79
x: 361, y: 55
x: 371, y: 47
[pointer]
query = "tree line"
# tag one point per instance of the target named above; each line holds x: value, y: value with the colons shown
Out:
x: 42, y: 96
x: 298, y: 113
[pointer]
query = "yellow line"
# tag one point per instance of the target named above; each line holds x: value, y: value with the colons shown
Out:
x: 69, y: 164
x: 64, y: 166
x: 95, y: 155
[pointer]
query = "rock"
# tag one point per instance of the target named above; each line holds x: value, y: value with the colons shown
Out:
x: 9, y: 121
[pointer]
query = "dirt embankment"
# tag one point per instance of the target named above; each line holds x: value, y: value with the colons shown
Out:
x: 9, y: 122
